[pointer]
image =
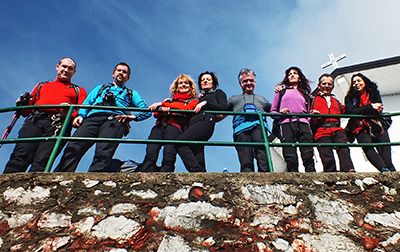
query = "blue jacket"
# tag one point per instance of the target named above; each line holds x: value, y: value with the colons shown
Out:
x: 242, y: 123
x: 121, y: 100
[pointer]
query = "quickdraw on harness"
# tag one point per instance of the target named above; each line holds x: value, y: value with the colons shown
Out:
x: 57, y: 122
x: 56, y: 119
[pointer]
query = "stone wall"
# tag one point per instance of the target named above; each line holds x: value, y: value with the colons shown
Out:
x: 200, y: 212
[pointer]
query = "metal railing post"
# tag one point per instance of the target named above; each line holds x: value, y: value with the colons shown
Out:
x: 59, y: 140
x: 266, y: 143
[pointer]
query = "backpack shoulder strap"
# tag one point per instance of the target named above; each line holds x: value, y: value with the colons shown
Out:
x: 308, y: 101
x: 281, y: 93
x: 37, y: 94
x: 129, y: 92
x: 101, y: 90
x: 76, y: 88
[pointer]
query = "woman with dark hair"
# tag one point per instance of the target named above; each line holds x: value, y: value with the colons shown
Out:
x: 294, y: 98
x: 169, y: 126
x: 201, y: 124
x: 363, y: 98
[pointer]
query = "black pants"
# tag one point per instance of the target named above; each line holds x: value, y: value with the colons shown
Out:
x: 162, y: 132
x: 380, y: 156
x: 246, y: 154
x: 36, y: 154
x: 192, y: 156
x: 326, y: 153
x: 298, y: 132
x: 101, y: 125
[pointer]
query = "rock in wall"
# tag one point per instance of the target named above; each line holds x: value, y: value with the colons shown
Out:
x: 200, y: 212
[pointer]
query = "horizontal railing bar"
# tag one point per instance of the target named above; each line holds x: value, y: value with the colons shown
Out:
x: 266, y: 144
x: 19, y: 108
x: 215, y: 143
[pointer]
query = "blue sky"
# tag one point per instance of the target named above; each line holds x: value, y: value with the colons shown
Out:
x: 162, y: 39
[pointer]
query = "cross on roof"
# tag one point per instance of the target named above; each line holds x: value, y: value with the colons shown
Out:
x: 333, y: 61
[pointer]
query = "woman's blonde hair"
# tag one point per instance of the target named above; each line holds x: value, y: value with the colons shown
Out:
x: 174, y: 86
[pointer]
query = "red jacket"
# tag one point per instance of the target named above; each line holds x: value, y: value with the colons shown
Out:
x: 173, y: 117
x: 55, y: 93
x: 317, y: 123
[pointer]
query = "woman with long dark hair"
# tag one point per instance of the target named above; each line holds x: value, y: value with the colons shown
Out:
x: 294, y: 98
x: 201, y: 125
x: 363, y: 98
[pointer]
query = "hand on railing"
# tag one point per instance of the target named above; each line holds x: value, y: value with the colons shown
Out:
x: 125, y: 118
x: 377, y: 106
x: 285, y: 111
x: 154, y: 106
x: 199, y: 106
x: 64, y: 111
x: 77, y: 121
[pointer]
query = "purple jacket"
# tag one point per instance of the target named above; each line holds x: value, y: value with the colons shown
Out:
x: 294, y: 101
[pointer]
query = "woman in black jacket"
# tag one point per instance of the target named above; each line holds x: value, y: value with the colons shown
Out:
x: 201, y: 125
x: 363, y: 98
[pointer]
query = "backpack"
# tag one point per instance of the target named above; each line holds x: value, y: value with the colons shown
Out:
x: 276, y: 130
x: 117, y: 165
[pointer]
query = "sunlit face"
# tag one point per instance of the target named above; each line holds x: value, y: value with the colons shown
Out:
x: 206, y: 82
x: 326, y: 85
x: 183, y: 86
x: 293, y: 77
x: 358, y: 84
x: 248, y: 83
x: 65, y: 70
x: 121, y: 75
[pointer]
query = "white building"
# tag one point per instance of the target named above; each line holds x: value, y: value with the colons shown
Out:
x: 386, y: 73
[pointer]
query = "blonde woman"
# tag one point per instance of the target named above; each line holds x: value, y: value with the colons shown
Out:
x: 169, y: 126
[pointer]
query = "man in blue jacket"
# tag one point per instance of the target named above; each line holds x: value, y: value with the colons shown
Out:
x: 103, y: 123
x: 247, y: 128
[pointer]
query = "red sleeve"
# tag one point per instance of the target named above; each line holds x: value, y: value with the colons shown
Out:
x: 192, y: 104
x: 180, y: 105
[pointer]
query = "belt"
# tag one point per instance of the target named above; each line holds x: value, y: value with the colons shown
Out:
x: 44, y: 114
x: 56, y: 119
x: 38, y: 113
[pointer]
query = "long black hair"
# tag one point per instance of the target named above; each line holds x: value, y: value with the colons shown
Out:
x: 304, y: 83
x: 370, y: 87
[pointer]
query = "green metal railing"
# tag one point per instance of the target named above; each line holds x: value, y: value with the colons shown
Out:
x: 58, y: 139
